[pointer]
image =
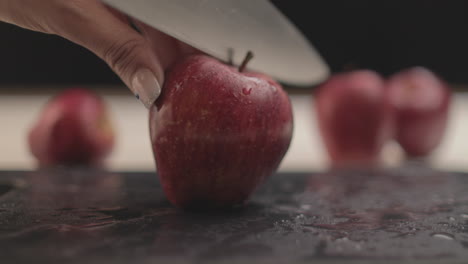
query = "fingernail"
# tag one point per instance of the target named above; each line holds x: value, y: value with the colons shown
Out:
x: 146, y: 87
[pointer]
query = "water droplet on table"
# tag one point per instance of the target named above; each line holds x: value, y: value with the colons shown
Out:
x: 445, y: 236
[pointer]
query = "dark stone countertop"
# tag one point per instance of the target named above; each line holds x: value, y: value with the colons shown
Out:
x: 405, y: 215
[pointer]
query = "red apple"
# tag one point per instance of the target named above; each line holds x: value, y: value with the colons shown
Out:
x: 217, y: 132
x: 353, y: 117
x: 420, y: 102
x: 73, y: 129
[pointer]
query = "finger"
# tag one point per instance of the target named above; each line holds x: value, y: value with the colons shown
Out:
x: 92, y: 25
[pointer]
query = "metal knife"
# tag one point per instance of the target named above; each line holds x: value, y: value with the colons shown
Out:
x: 218, y: 26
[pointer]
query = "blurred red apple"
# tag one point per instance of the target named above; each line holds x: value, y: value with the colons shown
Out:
x: 217, y: 132
x: 353, y: 117
x: 420, y: 102
x: 73, y: 129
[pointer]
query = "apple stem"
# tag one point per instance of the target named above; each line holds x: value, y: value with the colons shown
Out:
x: 248, y: 57
x: 230, y: 56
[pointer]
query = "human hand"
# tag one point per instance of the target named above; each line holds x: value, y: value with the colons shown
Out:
x: 138, y: 59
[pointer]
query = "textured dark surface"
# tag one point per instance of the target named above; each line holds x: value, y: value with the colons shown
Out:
x: 412, y: 215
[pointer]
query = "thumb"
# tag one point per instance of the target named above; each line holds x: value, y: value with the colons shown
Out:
x: 96, y: 27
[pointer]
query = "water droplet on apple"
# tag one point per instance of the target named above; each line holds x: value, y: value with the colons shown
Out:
x: 246, y: 91
x: 273, y: 88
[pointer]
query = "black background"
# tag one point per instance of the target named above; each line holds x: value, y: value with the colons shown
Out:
x: 382, y: 35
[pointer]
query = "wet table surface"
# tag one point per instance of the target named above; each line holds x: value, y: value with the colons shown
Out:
x: 406, y: 215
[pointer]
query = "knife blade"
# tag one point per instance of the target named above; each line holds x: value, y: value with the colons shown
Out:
x: 219, y: 27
